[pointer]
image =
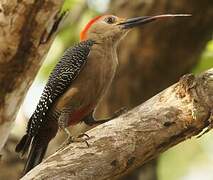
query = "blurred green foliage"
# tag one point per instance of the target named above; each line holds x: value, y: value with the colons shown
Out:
x: 180, y: 160
x: 206, y: 60
x: 175, y: 163
x: 69, y: 4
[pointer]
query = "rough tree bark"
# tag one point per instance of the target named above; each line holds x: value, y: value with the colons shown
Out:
x: 16, y: 14
x: 119, y: 146
x: 156, y: 55
x: 26, y: 32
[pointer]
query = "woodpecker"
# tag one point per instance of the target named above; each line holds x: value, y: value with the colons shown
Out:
x: 77, y: 83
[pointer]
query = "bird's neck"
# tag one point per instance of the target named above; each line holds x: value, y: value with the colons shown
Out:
x: 110, y: 42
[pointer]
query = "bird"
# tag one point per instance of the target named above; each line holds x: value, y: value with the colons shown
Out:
x: 78, y: 82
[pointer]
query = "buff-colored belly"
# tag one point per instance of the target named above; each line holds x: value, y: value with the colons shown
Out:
x: 88, y: 88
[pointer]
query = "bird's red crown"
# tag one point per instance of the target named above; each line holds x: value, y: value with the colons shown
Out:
x: 83, y: 34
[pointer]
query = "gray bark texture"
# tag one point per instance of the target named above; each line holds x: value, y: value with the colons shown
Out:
x: 26, y: 31
x: 136, y: 137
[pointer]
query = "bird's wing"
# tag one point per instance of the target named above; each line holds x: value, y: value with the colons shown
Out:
x: 62, y: 76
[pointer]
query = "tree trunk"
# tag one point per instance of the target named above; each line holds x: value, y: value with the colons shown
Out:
x: 129, y: 141
x: 156, y: 55
x: 26, y: 33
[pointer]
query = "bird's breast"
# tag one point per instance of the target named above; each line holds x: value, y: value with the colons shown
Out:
x: 92, y: 82
x: 104, y: 61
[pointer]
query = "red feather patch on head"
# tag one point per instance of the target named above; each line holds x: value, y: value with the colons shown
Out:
x: 83, y: 34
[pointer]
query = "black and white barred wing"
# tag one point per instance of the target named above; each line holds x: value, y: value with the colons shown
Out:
x: 60, y: 79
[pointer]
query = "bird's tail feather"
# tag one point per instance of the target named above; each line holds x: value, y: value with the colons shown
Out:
x: 24, y: 144
x: 37, y: 152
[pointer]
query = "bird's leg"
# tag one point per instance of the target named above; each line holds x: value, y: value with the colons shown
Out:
x: 90, y: 120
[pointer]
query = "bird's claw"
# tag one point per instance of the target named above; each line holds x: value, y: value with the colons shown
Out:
x: 83, y: 134
x: 72, y: 139
x: 81, y: 139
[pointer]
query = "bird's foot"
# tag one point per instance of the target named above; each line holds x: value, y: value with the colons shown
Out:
x: 81, y: 138
x: 71, y: 139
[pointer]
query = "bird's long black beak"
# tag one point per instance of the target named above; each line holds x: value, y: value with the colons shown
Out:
x: 133, y: 22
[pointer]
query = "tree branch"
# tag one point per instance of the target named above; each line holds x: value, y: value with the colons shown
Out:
x: 26, y: 33
x: 127, y: 142
x: 151, y: 49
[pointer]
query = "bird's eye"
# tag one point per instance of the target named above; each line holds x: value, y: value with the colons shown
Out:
x: 110, y: 20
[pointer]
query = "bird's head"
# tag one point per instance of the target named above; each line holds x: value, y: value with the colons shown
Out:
x: 110, y: 28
